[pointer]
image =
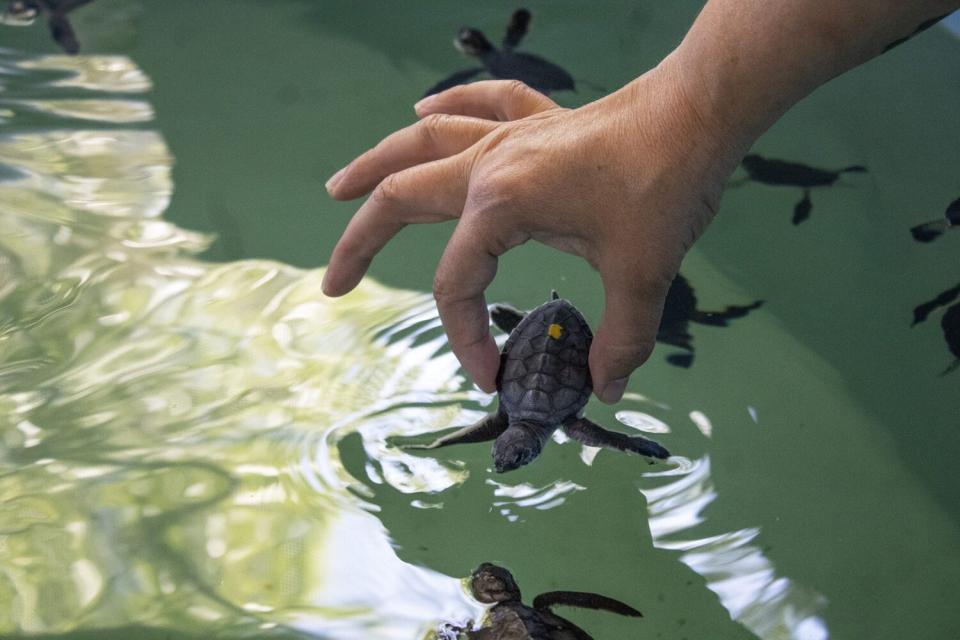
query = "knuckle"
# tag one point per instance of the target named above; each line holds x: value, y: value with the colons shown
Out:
x: 497, y: 188
x: 443, y: 290
x: 432, y: 125
x: 388, y: 191
x: 517, y: 88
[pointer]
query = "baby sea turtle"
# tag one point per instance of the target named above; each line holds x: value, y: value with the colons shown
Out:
x: 950, y: 323
x: 930, y: 231
x: 505, y: 63
x: 680, y: 309
x: 56, y: 13
x: 544, y: 383
x: 510, y: 619
x: 793, y: 174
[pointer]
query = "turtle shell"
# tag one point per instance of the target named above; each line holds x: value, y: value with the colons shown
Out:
x: 544, y: 374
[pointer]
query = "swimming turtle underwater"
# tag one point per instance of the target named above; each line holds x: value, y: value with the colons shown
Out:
x: 950, y: 323
x: 510, y: 619
x: 793, y: 174
x: 544, y: 383
x: 680, y: 309
x: 505, y: 63
x: 56, y: 13
x: 930, y: 231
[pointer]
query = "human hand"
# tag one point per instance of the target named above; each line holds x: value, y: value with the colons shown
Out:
x: 628, y: 182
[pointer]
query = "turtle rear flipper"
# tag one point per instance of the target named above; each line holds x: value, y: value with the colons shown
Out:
x: 593, y: 435
x: 584, y: 600
x: 487, y: 428
x: 460, y: 77
x: 505, y: 317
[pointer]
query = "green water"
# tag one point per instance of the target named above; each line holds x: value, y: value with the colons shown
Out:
x: 194, y: 442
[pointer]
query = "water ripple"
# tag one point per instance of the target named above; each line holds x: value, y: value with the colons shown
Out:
x: 174, y: 431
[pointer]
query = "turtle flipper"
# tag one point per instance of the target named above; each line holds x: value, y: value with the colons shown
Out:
x: 460, y: 77
x: 517, y: 29
x: 62, y: 32
x: 593, y: 435
x: 802, y: 210
x: 487, y: 428
x: 920, y: 312
x: 720, y: 318
x: 505, y: 317
x: 584, y: 600
x: 929, y: 231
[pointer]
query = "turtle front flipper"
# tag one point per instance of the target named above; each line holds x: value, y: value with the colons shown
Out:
x: 593, y: 435
x: 460, y: 77
x: 517, y: 29
x: 584, y: 600
x: 487, y: 428
x: 505, y: 317
x: 920, y: 312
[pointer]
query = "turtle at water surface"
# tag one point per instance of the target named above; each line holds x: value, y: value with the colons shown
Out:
x: 544, y: 383
x: 510, y: 619
x: 793, y: 174
x: 505, y: 63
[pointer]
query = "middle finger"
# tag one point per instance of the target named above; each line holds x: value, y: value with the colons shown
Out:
x: 432, y: 138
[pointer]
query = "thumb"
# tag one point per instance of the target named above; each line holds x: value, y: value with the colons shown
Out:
x: 628, y: 331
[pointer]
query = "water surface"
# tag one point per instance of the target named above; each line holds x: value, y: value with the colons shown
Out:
x: 196, y: 442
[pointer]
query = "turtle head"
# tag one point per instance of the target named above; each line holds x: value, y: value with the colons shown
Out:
x: 490, y: 583
x: 20, y: 11
x: 472, y: 42
x: 517, y: 446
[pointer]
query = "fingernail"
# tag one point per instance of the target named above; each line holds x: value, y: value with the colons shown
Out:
x: 333, y: 181
x: 613, y: 391
x: 424, y: 103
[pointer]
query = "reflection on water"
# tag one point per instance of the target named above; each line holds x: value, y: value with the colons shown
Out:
x: 733, y: 563
x: 170, y: 427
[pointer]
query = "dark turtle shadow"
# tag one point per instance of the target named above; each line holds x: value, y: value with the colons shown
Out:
x: 680, y: 310
x: 783, y: 173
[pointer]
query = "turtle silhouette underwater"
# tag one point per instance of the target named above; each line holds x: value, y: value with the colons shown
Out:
x: 543, y: 383
x: 930, y: 231
x: 793, y: 174
x: 950, y: 323
x: 506, y: 63
x: 510, y: 619
x: 56, y: 13
x: 680, y: 309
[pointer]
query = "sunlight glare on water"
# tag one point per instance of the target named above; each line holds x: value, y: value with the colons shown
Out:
x: 167, y: 420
